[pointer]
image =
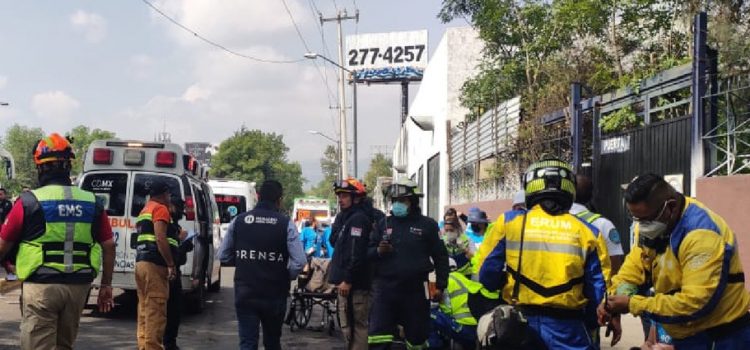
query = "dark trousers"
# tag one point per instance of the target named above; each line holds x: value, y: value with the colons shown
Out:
x: 404, y: 304
x: 260, y: 312
x: 174, y: 313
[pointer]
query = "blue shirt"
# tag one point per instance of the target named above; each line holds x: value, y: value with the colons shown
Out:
x: 297, y: 259
x: 473, y: 236
x: 327, y: 242
x: 309, y: 239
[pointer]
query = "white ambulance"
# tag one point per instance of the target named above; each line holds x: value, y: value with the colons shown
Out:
x: 310, y: 209
x: 120, y: 173
x: 233, y: 198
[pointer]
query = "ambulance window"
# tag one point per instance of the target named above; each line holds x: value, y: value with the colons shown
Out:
x: 230, y: 206
x: 141, y: 187
x: 200, y: 203
x: 110, y: 191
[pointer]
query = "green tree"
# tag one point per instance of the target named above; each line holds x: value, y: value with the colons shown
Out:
x: 538, y: 47
x: 253, y: 155
x: 380, y: 165
x: 82, y: 137
x: 329, y: 165
x: 20, y: 140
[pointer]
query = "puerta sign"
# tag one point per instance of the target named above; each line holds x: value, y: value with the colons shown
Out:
x: 383, y: 57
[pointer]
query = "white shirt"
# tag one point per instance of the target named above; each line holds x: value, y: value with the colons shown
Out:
x: 606, y: 228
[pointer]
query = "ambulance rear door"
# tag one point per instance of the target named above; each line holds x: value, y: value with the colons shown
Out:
x: 111, y: 190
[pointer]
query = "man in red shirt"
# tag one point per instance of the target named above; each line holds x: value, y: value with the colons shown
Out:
x: 64, y: 238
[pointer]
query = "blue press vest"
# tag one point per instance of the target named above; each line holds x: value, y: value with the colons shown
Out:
x: 261, y: 253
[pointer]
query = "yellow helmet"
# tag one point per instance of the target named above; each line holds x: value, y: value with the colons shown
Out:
x: 550, y: 179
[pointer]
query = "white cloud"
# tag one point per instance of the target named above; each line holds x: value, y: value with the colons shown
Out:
x: 92, y: 25
x: 3, y: 82
x: 222, y: 92
x: 232, y: 23
x: 54, y: 106
x: 196, y: 93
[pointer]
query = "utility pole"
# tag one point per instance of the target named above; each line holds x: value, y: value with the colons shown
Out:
x: 342, y: 16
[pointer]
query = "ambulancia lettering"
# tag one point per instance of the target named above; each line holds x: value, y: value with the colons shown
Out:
x: 66, y: 210
x: 259, y: 255
x: 551, y: 223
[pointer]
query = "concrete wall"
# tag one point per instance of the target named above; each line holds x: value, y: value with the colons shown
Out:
x: 493, y: 208
x: 729, y: 196
x: 455, y: 60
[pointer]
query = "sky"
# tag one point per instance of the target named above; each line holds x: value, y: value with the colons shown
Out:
x: 121, y: 66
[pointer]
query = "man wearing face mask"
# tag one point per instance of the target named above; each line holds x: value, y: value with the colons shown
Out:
x: 404, y: 249
x: 479, y: 225
x: 691, y: 257
x: 459, y: 247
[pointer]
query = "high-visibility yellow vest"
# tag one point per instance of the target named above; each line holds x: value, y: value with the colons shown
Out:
x: 67, y: 244
x: 457, y: 298
x: 147, y: 235
x: 588, y: 216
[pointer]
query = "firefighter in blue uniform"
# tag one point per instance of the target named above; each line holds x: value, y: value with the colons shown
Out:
x: 404, y: 249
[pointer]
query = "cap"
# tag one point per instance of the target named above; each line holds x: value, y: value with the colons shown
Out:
x: 478, y: 217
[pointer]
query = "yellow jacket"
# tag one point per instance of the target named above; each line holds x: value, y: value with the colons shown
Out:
x: 564, y: 265
x: 698, y: 280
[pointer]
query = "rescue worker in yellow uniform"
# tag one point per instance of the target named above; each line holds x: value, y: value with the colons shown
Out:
x: 453, y: 319
x: 64, y: 238
x: 690, y: 257
x: 561, y: 274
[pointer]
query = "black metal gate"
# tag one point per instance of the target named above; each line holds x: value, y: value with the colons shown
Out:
x: 662, y: 148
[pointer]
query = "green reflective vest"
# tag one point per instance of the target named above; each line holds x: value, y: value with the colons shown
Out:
x: 588, y: 216
x: 145, y: 243
x: 457, y: 303
x: 148, y: 236
x: 66, y: 245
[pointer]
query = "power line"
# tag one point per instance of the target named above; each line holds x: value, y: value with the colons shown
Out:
x: 213, y: 43
x: 307, y: 48
x: 296, y: 28
x: 316, y: 14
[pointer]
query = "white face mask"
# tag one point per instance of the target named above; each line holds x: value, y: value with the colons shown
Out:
x: 451, y: 236
x: 653, y: 233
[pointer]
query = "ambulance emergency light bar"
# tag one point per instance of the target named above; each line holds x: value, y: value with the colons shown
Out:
x: 135, y: 144
x: 105, y: 156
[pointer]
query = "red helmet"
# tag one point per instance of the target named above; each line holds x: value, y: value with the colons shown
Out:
x: 53, y: 148
x: 350, y: 185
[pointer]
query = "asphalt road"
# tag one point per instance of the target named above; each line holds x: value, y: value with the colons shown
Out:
x: 215, y: 328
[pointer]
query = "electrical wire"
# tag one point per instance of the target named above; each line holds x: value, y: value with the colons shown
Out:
x: 296, y: 28
x: 316, y: 14
x: 213, y: 43
x: 307, y: 48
